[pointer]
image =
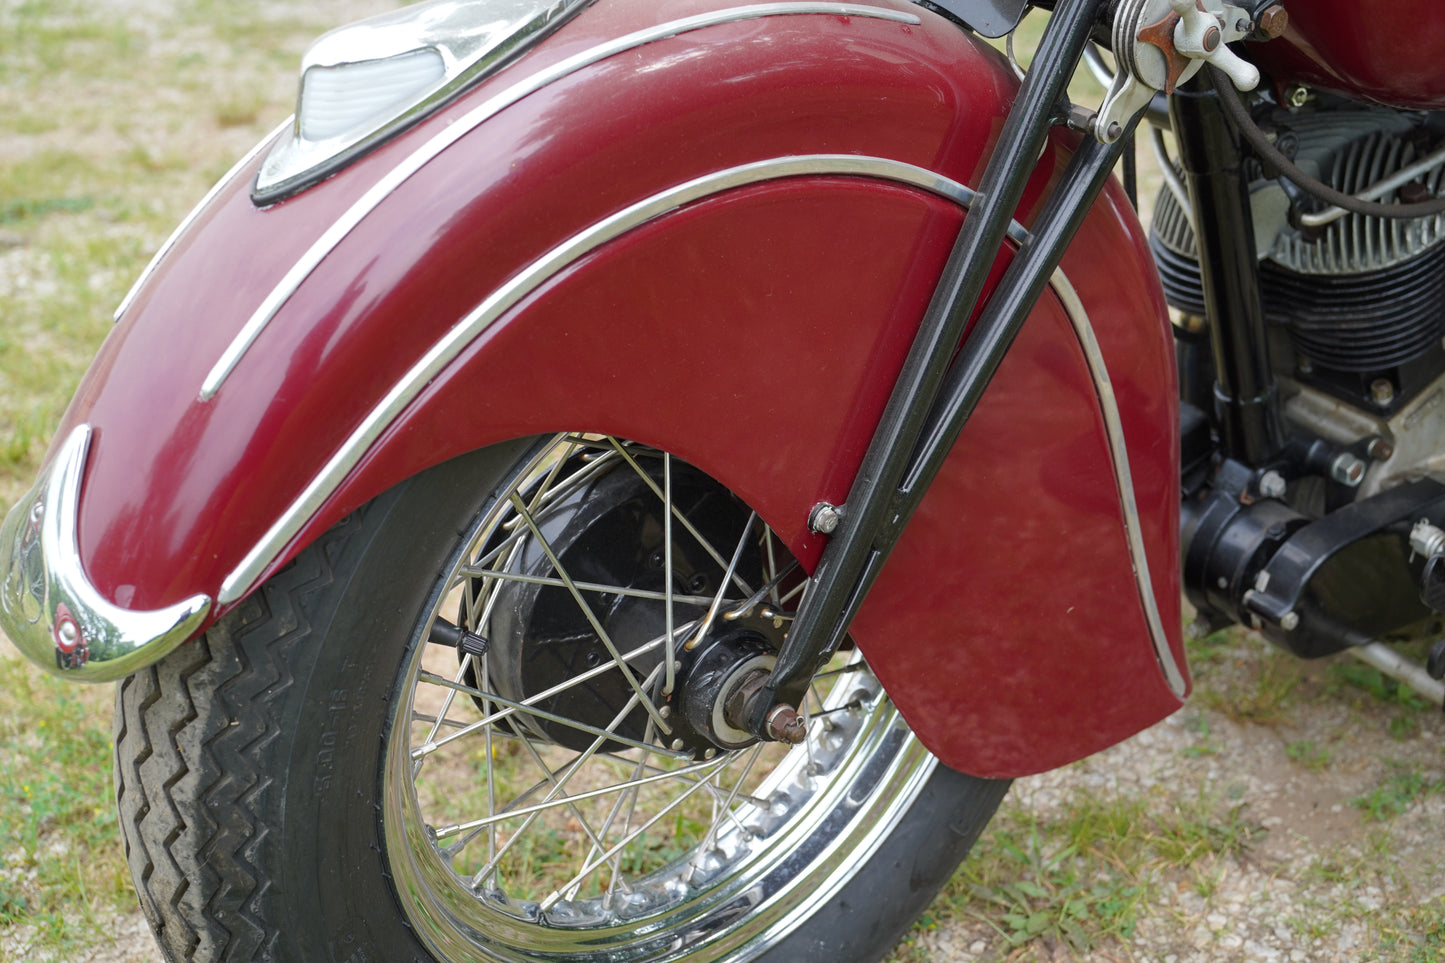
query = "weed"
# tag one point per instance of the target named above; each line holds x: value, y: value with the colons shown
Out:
x: 1276, y: 676
x: 1317, y: 923
x: 1271, y: 676
x: 13, y: 212
x: 1397, y: 793
x: 239, y: 111
x: 1199, y: 725
x: 1379, y: 686
x: 1213, y: 647
x: 1088, y: 875
x: 1310, y: 755
x: 1415, y: 936
x: 1056, y: 894
x: 1403, y: 727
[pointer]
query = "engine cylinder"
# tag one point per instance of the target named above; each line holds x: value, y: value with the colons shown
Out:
x: 1358, y: 295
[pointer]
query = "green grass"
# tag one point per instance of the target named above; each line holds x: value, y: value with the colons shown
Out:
x: 1310, y: 755
x: 1401, y: 788
x: 61, y: 867
x: 1084, y: 876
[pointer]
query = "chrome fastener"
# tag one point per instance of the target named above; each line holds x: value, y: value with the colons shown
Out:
x: 1426, y: 539
x: 1347, y: 469
x: 824, y: 518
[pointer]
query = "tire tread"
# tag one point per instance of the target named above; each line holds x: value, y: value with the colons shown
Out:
x: 192, y: 739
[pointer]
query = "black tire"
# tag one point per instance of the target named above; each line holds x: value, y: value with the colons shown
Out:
x: 266, y: 817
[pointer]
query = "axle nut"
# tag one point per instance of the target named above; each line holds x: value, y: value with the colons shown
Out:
x: 785, y: 725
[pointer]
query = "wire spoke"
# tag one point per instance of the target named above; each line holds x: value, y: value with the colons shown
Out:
x: 670, y: 653
x: 529, y: 710
x: 553, y: 899
x: 570, y: 802
x: 591, y: 616
x: 732, y: 797
x: 544, y: 498
x: 467, y: 661
x: 692, y: 530
x: 588, y: 586
x: 437, y: 722
x: 551, y: 803
x: 556, y: 784
x: 526, y: 704
x: 771, y: 588
x: 732, y: 566
x: 576, y: 766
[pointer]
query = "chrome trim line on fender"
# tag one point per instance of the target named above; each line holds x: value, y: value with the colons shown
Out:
x: 1123, y: 477
x: 240, y: 581
x: 190, y: 218
x: 49, y: 608
x: 403, y: 171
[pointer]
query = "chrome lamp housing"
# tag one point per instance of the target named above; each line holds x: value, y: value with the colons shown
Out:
x: 363, y: 83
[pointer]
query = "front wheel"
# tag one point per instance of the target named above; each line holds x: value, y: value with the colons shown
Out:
x: 490, y: 717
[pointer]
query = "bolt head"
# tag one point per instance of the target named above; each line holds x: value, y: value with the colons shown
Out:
x: 824, y: 518
x: 1272, y: 22
x: 1348, y: 470
x: 1290, y: 622
x: 1272, y: 485
x: 1382, y: 392
x: 1380, y: 450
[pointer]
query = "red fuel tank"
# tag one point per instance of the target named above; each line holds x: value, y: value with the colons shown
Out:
x: 1388, y: 51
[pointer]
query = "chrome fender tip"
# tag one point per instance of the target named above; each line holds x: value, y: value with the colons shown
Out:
x: 49, y: 608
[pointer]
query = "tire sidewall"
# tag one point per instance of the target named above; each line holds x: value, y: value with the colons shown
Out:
x: 336, y: 890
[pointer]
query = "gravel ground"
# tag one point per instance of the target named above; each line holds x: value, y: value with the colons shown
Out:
x: 1323, y: 880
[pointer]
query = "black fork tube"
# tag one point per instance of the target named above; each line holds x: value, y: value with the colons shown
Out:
x: 877, y: 508
x: 1246, y: 397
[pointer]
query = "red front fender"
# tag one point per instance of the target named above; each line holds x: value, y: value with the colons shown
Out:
x: 750, y: 317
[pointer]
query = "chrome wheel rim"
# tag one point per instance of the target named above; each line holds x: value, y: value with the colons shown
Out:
x: 505, y: 844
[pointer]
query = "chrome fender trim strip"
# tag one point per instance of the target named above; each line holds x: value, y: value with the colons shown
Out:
x: 244, y: 577
x: 48, y: 606
x: 1119, y: 453
x: 398, y: 175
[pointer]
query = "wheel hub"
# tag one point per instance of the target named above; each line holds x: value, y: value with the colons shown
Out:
x: 610, y: 537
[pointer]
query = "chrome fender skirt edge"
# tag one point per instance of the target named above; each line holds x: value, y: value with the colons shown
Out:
x: 50, y: 609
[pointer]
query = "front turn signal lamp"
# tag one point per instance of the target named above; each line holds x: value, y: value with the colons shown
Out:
x: 363, y: 83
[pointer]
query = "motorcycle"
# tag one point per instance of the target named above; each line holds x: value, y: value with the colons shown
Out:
x: 614, y: 480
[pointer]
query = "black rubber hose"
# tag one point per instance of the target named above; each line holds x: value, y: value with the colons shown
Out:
x: 1311, y: 185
